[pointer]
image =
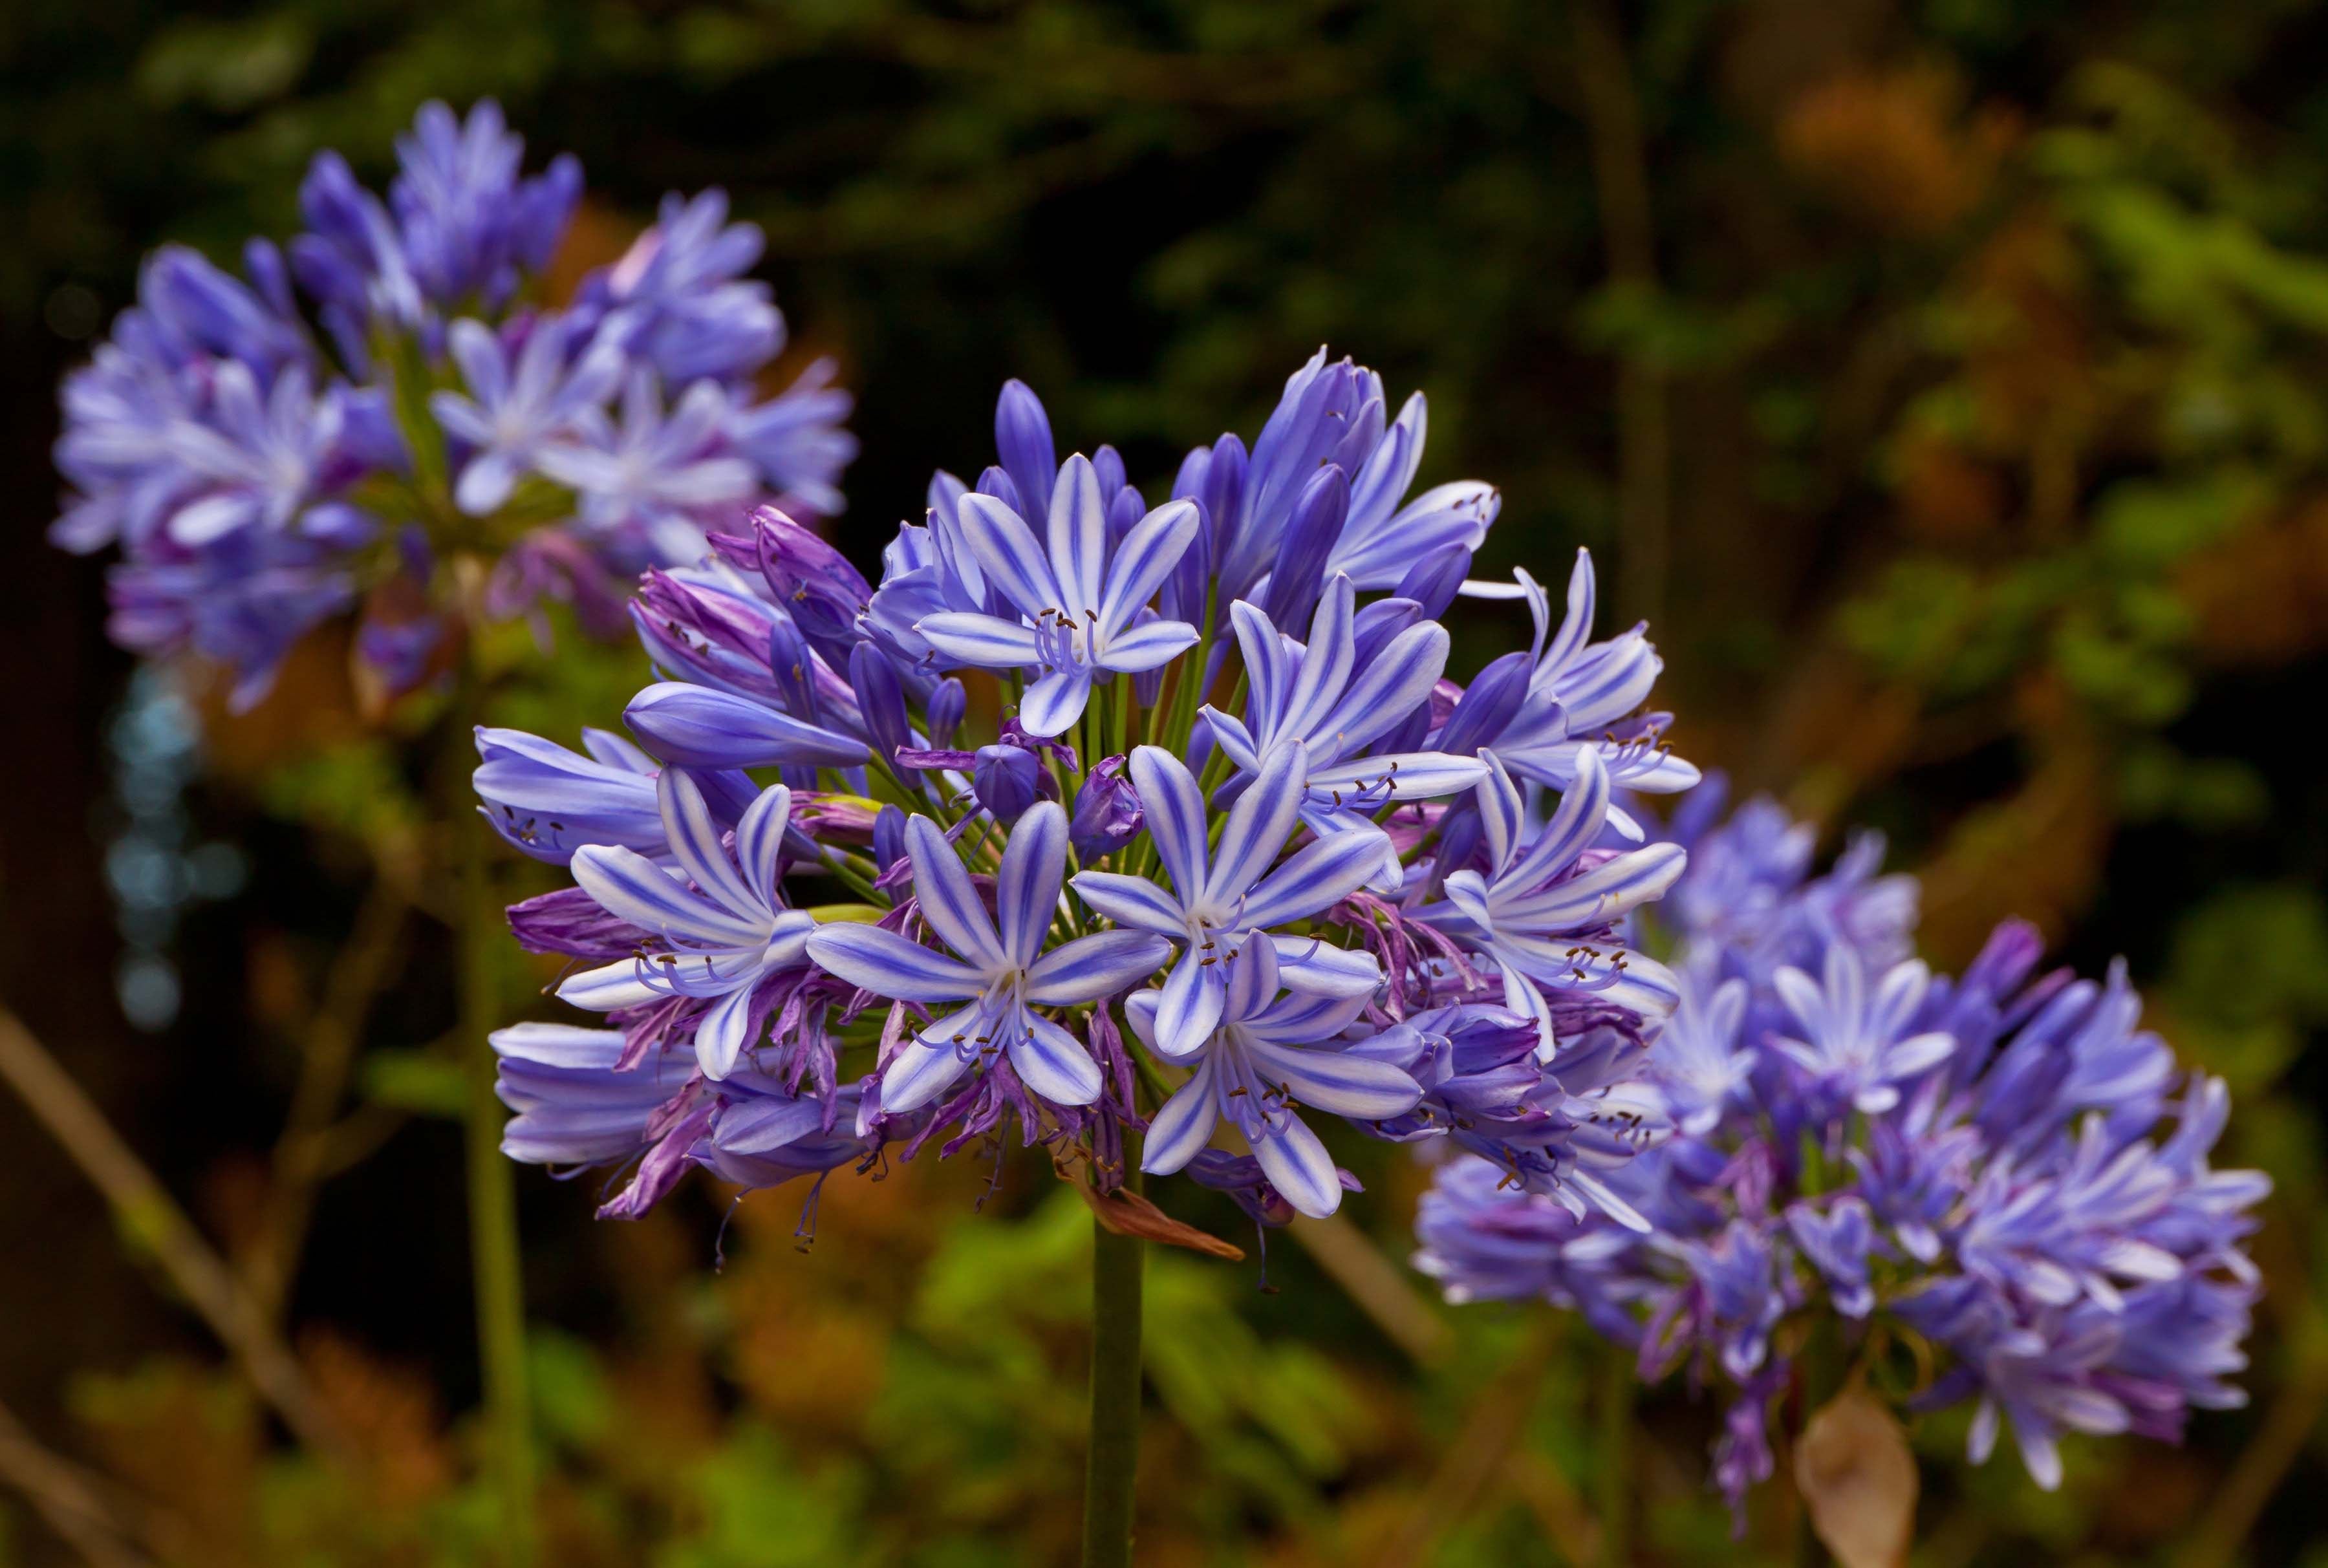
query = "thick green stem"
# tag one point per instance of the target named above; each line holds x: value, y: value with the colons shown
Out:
x: 1112, y: 1461
x: 494, y: 1244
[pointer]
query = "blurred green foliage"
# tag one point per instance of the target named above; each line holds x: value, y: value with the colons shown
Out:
x: 1945, y: 377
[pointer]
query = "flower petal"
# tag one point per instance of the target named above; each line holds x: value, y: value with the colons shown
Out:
x: 1183, y: 1124
x: 1258, y: 826
x: 1008, y: 550
x: 1189, y: 1008
x: 610, y: 987
x: 1026, y: 890
x: 1142, y: 562
x: 917, y: 1075
x: 1335, y: 1081
x: 1144, y: 648
x: 630, y: 887
x: 1078, y: 538
x: 1055, y: 702
x: 1299, y: 1167
x: 697, y: 844
x: 1310, y: 967
x: 1174, y: 813
x: 1132, y: 901
x: 760, y: 842
x: 696, y: 726
x: 1325, y: 663
x: 1317, y: 876
x: 982, y: 641
x: 1388, y: 688
x: 1053, y: 1063
x: 888, y: 965
x: 948, y: 900
x: 1091, y: 967
x: 720, y: 1033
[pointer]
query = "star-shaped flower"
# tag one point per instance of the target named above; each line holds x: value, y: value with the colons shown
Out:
x: 1002, y: 973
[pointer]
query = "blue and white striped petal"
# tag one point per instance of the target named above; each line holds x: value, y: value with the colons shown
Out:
x: 1335, y: 1080
x: 1325, y: 663
x: 610, y: 987
x: 1091, y: 967
x: 1053, y: 1063
x: 1013, y: 560
x: 630, y: 887
x: 1259, y: 824
x: 889, y: 966
x: 1142, y: 562
x: 760, y: 841
x: 1299, y: 1167
x: 1147, y: 647
x: 1183, y: 1125
x: 1188, y: 1009
x: 1079, y: 530
x: 1174, y: 813
x: 1027, y: 888
x: 720, y: 1035
x: 1055, y: 702
x: 1317, y: 876
x: 697, y: 843
x: 1309, y: 967
x: 948, y: 900
x: 1133, y: 902
x: 982, y: 641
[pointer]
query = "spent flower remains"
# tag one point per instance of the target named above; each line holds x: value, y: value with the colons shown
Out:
x: 391, y: 393
x: 1230, y: 858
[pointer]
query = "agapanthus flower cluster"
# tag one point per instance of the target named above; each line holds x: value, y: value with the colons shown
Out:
x: 1152, y: 831
x: 393, y: 391
x: 1992, y: 1187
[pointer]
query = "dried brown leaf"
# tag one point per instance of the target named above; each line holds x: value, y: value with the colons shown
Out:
x: 1128, y: 1214
x: 1859, y: 1480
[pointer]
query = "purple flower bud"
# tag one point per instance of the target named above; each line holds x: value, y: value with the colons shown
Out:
x: 948, y: 702
x: 1433, y: 580
x: 1107, y: 464
x: 1490, y: 704
x: 1123, y: 513
x: 1107, y: 811
x: 1224, y: 494
x: 793, y: 666
x: 812, y: 580
x: 1006, y: 781
x: 1185, y: 591
x: 1022, y: 436
x: 880, y: 698
x: 994, y: 482
x: 1375, y: 625
x: 1299, y: 575
x: 889, y: 837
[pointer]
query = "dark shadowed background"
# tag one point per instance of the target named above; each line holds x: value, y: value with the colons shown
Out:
x: 1947, y: 381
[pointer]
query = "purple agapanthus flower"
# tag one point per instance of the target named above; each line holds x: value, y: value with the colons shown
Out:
x: 250, y: 471
x: 1001, y: 973
x: 1546, y: 911
x: 1270, y: 1050
x: 1077, y: 599
x: 718, y: 930
x: 1234, y: 886
x: 1990, y: 1164
x: 1109, y: 907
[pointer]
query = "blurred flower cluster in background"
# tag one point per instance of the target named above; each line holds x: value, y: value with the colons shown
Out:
x: 1943, y: 379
